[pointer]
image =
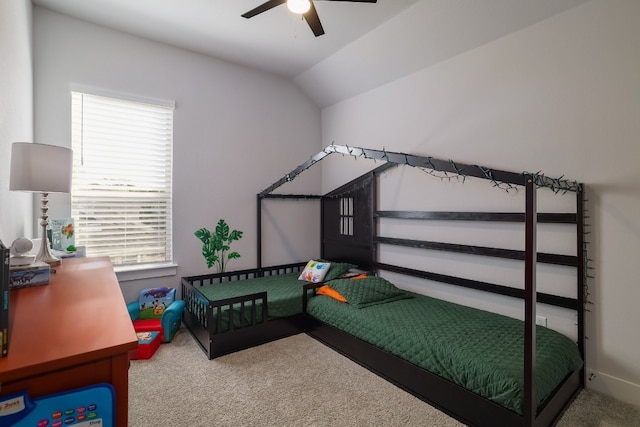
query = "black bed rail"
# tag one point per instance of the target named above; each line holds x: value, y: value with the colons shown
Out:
x: 309, y: 290
x: 283, y: 269
x: 543, y: 218
x: 195, y: 302
x: 236, y: 309
x: 245, y: 308
x: 515, y: 217
x: 550, y: 299
x: 231, y: 276
x: 290, y: 196
x: 556, y: 259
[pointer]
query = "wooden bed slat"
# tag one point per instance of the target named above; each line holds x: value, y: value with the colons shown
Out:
x: 547, y: 218
x: 566, y: 260
x: 555, y: 300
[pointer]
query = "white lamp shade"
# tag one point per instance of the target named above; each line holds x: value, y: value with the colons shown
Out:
x: 40, y: 168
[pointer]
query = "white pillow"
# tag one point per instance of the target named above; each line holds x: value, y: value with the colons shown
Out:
x: 314, y: 271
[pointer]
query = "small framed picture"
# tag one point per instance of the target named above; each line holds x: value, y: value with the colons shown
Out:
x: 62, y: 233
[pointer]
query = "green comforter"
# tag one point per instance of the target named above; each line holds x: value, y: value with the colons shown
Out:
x: 478, y: 350
x: 284, y: 296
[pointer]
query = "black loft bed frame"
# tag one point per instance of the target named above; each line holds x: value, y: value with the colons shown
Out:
x: 450, y: 398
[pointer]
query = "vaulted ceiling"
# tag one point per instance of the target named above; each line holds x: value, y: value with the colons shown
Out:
x: 365, y: 44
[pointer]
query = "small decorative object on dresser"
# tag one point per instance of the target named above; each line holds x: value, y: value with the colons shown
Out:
x: 4, y: 299
x: 20, y: 249
x: 62, y: 233
x: 34, y: 274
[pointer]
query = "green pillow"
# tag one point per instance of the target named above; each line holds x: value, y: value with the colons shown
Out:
x: 369, y: 291
x: 337, y: 269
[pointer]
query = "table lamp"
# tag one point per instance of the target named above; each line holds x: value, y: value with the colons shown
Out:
x: 44, y: 169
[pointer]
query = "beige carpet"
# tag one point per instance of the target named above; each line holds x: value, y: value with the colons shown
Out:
x: 296, y: 381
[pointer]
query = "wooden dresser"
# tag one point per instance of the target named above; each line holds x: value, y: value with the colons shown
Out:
x: 73, y: 332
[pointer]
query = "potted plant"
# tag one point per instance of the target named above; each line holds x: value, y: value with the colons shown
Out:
x: 216, y: 246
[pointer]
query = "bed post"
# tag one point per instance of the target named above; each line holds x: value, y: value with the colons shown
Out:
x: 259, y: 231
x: 529, y: 408
x: 582, y: 276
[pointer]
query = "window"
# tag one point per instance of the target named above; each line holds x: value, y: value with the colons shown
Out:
x: 121, y: 199
x: 346, y: 216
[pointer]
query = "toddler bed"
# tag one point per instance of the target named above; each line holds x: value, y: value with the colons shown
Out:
x: 231, y: 311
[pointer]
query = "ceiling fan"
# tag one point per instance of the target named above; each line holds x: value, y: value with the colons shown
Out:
x: 301, y: 7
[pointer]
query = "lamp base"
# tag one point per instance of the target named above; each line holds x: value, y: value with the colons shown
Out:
x: 44, y: 254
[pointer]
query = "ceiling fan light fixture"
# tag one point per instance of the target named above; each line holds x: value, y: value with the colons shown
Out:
x: 299, y: 6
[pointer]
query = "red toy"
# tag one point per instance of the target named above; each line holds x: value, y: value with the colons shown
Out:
x: 148, y: 343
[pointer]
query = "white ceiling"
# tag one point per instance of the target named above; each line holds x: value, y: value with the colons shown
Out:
x: 365, y: 44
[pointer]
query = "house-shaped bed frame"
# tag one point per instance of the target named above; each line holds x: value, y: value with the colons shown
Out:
x: 361, y: 248
x: 204, y: 317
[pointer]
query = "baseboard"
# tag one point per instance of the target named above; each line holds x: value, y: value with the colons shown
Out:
x: 617, y: 388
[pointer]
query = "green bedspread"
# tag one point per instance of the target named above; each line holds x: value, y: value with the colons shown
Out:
x: 284, y: 292
x: 478, y: 350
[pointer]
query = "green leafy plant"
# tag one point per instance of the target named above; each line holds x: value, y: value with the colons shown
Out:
x: 216, y: 246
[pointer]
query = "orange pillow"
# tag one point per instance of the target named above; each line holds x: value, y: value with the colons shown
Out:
x: 359, y: 276
x: 326, y: 290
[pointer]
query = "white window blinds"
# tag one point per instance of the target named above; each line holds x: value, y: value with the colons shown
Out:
x: 121, y: 197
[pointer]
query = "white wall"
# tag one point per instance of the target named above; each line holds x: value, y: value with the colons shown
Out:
x: 16, y: 112
x: 563, y: 97
x: 236, y: 131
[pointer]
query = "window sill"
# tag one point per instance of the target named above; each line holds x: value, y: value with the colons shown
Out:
x: 149, y: 271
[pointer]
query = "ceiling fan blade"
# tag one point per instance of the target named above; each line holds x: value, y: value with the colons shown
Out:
x: 313, y: 20
x: 263, y: 8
